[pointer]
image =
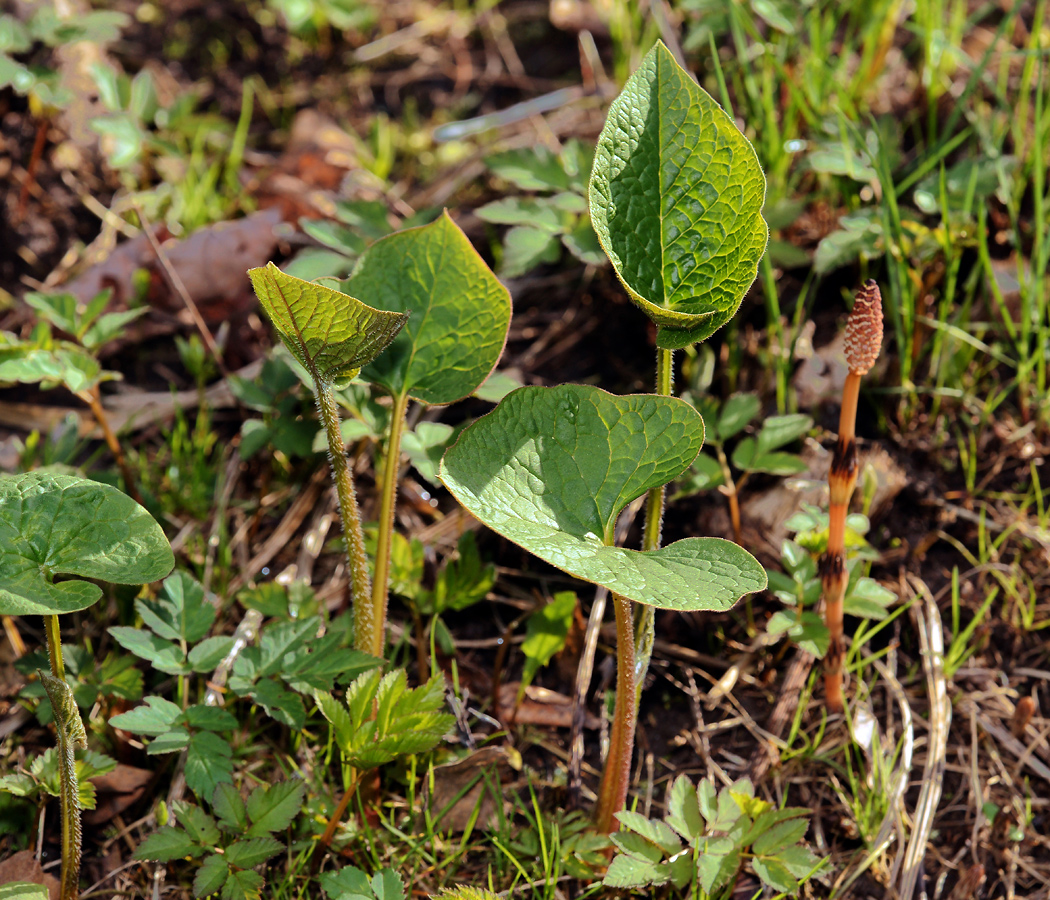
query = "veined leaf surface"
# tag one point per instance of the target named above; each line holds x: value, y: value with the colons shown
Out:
x: 459, y: 318
x: 64, y: 525
x: 551, y: 469
x: 676, y: 196
x: 331, y: 333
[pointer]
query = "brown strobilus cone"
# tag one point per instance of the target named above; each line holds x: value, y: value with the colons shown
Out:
x: 863, y: 341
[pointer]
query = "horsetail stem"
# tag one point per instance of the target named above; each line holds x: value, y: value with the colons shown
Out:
x: 862, y: 344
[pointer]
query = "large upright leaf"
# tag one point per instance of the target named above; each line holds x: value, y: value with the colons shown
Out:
x: 459, y: 318
x: 676, y: 196
x: 64, y: 525
x: 551, y: 469
x: 332, y: 334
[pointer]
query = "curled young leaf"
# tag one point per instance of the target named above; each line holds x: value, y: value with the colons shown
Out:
x: 330, y: 333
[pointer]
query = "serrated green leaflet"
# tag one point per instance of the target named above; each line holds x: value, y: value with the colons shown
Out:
x: 676, y: 196
x: 330, y: 333
x: 459, y: 312
x: 551, y: 469
x: 63, y: 525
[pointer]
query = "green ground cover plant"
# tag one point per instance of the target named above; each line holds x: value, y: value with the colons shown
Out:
x: 62, y: 525
x: 904, y: 142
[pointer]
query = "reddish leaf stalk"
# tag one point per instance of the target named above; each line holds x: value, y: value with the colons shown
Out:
x: 612, y: 795
x: 863, y: 340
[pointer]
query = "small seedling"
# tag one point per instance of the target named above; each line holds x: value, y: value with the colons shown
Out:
x: 706, y: 838
x: 233, y: 846
x: 863, y: 342
x: 49, y: 362
x: 62, y: 525
x: 751, y: 456
x: 383, y: 720
x: 553, y: 217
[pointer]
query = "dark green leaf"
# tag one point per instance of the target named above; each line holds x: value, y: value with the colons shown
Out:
x: 229, y: 807
x: 197, y: 823
x: 243, y: 884
x: 166, y: 844
x: 272, y: 808
x: 210, y: 876
x: 251, y: 853
x: 208, y: 763
x: 676, y: 197
x: 460, y: 312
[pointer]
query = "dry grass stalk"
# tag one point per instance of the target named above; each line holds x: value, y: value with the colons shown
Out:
x: 863, y: 341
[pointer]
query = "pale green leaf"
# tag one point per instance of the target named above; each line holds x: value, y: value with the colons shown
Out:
x: 331, y: 333
x: 64, y: 525
x: 630, y: 872
x: 164, y: 656
x: 530, y: 169
x: 386, y: 885
x: 778, y: 463
x: 777, y: 431
x: 156, y: 717
x: 774, y: 873
x: 347, y: 883
x: 459, y: 318
x: 683, y: 810
x: 546, y: 632
x: 525, y: 247
x: 463, y: 892
x: 180, y: 612
x: 676, y: 196
x: 539, y: 213
x: 23, y: 890
x: 737, y: 411
x: 551, y: 469
x: 655, y: 830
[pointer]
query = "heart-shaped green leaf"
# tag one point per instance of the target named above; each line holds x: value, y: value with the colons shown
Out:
x: 676, y: 196
x: 331, y: 333
x: 551, y: 469
x: 63, y: 525
x: 460, y: 312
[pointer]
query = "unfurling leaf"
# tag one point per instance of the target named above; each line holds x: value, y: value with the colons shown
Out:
x: 330, y: 333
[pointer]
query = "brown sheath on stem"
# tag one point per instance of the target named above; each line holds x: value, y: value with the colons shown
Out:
x: 863, y: 341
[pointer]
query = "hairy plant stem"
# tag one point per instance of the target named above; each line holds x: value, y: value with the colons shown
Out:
x: 93, y: 398
x: 360, y: 584
x: 842, y: 478
x: 387, y: 502
x: 612, y: 795
x: 71, y: 734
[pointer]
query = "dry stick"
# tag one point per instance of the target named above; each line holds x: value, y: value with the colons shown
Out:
x: 863, y: 340
x: 93, y: 398
x: 31, y: 166
x: 179, y: 287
